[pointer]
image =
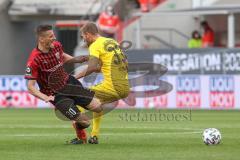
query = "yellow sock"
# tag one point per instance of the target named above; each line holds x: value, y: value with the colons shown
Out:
x: 96, y: 123
x: 81, y: 109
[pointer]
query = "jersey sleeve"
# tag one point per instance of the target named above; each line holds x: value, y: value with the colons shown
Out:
x: 31, y: 71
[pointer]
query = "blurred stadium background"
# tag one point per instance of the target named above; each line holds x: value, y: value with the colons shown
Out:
x: 205, y: 80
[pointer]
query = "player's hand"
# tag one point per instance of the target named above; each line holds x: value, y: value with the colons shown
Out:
x: 49, y: 99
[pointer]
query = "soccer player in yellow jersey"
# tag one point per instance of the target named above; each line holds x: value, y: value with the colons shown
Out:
x: 107, y: 57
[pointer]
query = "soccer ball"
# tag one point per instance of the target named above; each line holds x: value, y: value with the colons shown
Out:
x: 211, y: 136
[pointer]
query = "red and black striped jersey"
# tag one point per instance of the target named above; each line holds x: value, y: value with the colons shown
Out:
x: 47, y: 69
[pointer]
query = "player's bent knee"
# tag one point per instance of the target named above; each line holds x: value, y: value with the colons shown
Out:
x: 83, y: 124
x: 80, y: 125
x: 95, y: 105
x: 83, y: 121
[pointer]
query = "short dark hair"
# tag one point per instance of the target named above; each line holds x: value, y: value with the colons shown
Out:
x: 43, y: 28
x: 90, y: 27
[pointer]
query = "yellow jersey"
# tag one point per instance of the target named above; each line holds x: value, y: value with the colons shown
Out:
x: 114, y: 65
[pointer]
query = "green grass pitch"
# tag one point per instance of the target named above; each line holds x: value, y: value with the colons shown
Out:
x: 36, y: 134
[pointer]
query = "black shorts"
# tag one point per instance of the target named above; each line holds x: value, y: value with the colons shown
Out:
x: 75, y: 92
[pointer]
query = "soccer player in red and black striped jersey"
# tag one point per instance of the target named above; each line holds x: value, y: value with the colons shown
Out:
x: 45, y: 67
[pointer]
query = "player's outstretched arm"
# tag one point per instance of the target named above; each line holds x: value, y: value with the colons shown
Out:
x: 93, y: 66
x: 35, y: 92
x: 70, y: 59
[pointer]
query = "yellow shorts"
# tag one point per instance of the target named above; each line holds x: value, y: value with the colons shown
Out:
x: 107, y: 94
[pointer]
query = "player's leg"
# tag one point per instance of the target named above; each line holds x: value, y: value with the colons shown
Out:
x: 82, y: 96
x: 95, y: 106
x: 97, y: 117
x: 81, y: 134
x: 109, y: 99
x: 105, y: 97
x: 71, y: 112
x: 90, y: 101
x: 96, y: 125
x: 95, y: 128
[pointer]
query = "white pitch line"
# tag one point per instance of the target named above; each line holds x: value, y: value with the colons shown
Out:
x: 33, y: 126
x: 35, y: 135
x: 103, y: 134
x: 148, y: 133
x: 106, y: 127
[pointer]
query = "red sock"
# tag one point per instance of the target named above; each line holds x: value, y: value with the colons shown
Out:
x: 81, y: 133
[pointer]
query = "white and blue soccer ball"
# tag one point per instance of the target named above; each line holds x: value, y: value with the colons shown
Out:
x: 211, y: 136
